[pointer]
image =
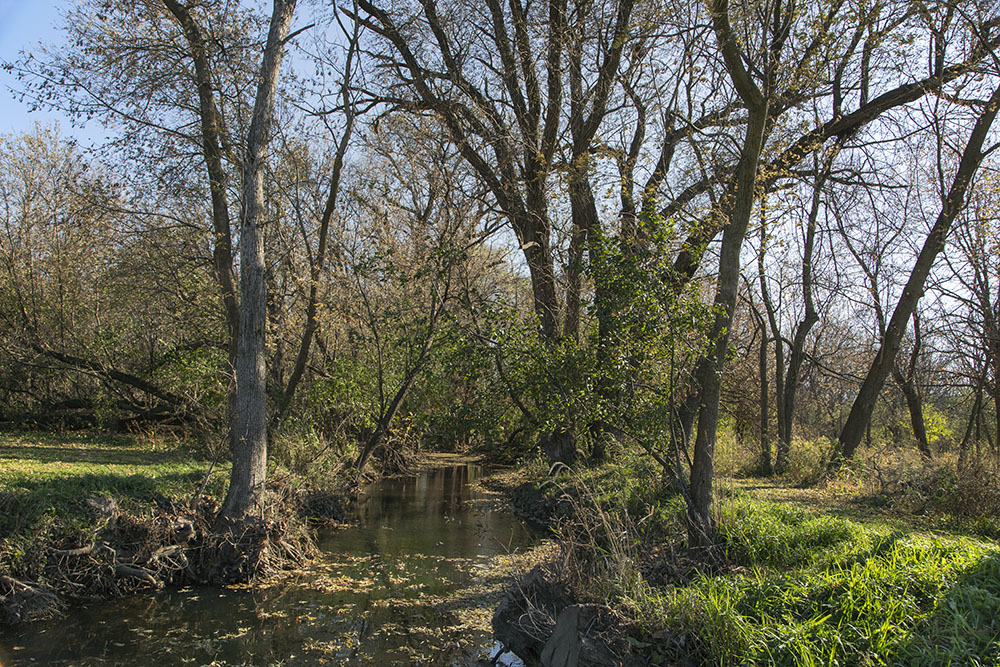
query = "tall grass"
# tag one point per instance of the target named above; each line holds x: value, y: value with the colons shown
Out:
x: 819, y: 590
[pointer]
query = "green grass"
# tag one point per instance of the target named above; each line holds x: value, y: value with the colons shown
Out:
x: 820, y: 590
x: 45, y: 480
x: 811, y: 579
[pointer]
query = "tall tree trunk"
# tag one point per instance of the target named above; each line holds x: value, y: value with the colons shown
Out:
x: 796, y: 354
x: 700, y: 527
x: 701, y: 531
x: 585, y: 214
x: 764, y: 409
x: 246, y: 482
x: 212, y: 146
x: 541, y: 270
x: 779, y: 350
x: 861, y: 411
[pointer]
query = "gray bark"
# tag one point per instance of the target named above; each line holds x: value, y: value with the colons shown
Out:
x: 246, y: 482
x: 701, y: 531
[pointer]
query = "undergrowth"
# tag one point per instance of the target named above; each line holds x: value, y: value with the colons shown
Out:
x: 797, y: 587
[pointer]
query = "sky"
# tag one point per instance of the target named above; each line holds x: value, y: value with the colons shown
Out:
x: 23, y: 24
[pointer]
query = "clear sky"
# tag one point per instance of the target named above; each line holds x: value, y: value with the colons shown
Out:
x: 23, y: 24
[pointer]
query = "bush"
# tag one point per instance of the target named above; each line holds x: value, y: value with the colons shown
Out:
x: 808, y: 460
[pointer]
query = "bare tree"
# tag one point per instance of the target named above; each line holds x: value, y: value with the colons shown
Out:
x: 952, y: 204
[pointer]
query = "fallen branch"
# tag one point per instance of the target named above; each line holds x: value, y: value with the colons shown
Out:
x: 81, y: 551
x: 168, y: 550
x: 137, y: 573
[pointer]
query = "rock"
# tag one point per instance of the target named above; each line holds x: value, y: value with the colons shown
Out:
x: 526, y: 616
x: 575, y: 642
x: 563, y: 647
x: 106, y: 507
x: 538, y: 622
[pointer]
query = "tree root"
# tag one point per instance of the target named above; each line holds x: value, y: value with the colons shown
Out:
x: 175, y: 546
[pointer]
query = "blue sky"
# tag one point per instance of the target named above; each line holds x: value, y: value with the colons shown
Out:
x: 23, y: 24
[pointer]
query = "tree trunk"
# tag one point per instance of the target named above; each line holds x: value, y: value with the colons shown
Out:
x: 538, y: 256
x: 796, y: 356
x: 586, y: 221
x: 700, y: 528
x: 212, y: 142
x: 911, y: 392
x: 765, y: 442
x: 963, y: 446
x: 385, y: 420
x: 779, y: 353
x: 574, y: 284
x: 701, y: 531
x: 246, y: 482
x: 861, y: 411
x: 914, y: 404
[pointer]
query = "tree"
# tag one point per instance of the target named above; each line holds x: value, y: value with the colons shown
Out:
x: 245, y: 495
x: 952, y: 204
x: 701, y: 532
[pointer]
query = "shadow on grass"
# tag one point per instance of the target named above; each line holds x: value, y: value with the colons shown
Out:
x: 29, y: 501
x: 89, y: 454
x: 964, y: 628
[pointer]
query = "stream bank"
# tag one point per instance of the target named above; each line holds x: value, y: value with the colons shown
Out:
x: 414, y: 581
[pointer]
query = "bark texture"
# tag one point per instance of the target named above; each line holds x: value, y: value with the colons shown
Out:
x: 246, y: 482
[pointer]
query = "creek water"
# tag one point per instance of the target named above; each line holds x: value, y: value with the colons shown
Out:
x: 399, y: 588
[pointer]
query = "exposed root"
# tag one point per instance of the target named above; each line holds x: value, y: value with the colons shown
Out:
x: 21, y: 602
x: 393, y: 457
x: 173, y: 546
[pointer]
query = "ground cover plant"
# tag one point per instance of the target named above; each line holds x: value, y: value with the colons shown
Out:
x: 815, y: 578
x: 47, y: 477
x: 84, y: 516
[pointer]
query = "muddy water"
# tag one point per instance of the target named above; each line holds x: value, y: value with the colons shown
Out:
x: 409, y: 585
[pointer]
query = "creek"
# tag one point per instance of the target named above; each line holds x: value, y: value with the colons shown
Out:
x: 413, y: 582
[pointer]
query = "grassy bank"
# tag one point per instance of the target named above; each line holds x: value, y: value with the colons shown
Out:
x: 91, y: 516
x: 45, y: 480
x: 813, y: 589
x: 799, y: 584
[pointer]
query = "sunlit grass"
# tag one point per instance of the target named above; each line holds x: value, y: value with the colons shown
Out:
x: 820, y: 590
x: 812, y: 579
x: 45, y: 479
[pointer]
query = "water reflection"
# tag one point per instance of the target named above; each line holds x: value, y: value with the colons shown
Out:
x: 389, y: 591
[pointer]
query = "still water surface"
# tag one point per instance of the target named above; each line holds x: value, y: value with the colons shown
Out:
x: 396, y: 589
